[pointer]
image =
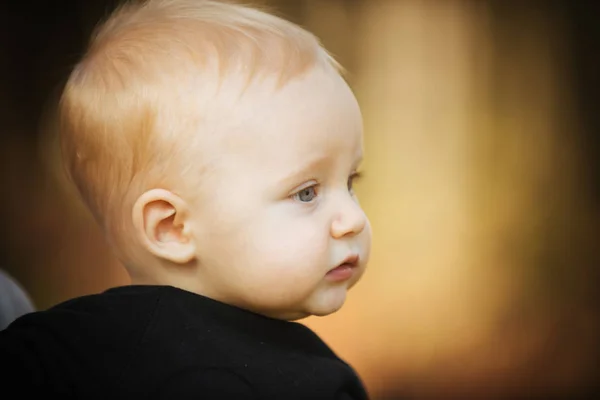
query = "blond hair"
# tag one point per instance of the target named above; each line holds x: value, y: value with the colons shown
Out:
x: 131, y: 85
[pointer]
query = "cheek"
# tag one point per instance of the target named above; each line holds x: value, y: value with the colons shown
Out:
x: 366, y: 240
x: 260, y: 239
x: 288, y: 243
x: 364, y: 243
x: 291, y: 242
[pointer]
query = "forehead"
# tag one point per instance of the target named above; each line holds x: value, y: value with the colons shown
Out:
x: 314, y: 116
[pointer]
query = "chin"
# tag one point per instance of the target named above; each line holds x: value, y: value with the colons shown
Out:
x: 285, y: 314
x: 319, y: 304
x: 308, y: 312
x: 327, y: 304
x: 324, y: 313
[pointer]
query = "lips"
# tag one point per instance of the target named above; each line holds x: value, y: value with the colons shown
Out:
x: 350, y: 261
x: 344, y: 270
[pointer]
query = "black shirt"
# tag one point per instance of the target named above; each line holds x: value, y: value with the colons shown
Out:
x: 165, y: 343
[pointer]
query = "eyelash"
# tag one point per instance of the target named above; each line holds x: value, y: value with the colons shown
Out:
x: 355, y: 176
x: 351, y: 180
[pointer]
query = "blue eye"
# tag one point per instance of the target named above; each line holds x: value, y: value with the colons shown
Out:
x: 306, y: 195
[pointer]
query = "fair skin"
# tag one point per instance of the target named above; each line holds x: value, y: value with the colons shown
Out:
x: 269, y: 226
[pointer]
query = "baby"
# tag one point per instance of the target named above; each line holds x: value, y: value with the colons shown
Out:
x: 217, y: 146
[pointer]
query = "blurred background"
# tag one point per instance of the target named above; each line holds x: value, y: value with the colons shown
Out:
x: 482, y: 183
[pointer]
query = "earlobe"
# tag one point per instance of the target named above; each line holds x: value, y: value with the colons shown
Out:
x: 161, y: 222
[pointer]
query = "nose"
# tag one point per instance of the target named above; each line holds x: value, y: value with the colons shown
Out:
x: 350, y: 219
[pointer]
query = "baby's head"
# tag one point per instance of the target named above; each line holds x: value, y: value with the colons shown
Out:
x: 217, y: 145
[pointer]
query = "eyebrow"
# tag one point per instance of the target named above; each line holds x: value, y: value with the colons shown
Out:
x: 304, y: 171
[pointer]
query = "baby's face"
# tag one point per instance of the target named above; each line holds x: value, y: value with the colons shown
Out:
x: 277, y: 214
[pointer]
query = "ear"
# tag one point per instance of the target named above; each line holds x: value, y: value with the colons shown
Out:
x: 160, y: 219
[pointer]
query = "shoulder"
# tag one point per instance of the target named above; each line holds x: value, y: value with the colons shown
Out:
x: 312, y: 343
x: 102, y: 315
x: 208, y: 383
x: 80, y: 334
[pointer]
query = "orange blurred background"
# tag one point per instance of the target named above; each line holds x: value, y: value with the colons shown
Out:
x: 481, y: 181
